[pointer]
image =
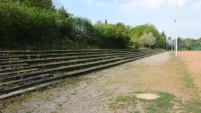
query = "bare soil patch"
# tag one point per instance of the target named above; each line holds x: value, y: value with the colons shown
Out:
x: 93, y: 93
x: 148, y: 96
x: 192, y: 60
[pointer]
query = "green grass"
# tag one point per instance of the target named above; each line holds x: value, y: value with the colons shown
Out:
x: 1, y: 85
x: 13, y: 60
x: 161, y: 105
x: 188, y: 80
x: 124, y: 101
x: 193, y: 105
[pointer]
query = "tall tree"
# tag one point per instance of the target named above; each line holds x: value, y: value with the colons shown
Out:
x: 187, y: 43
x: 65, y: 23
x: 199, y: 41
x: 148, y: 39
x: 138, y: 31
x: 44, y: 4
x: 62, y: 13
x: 165, y: 38
x: 170, y: 44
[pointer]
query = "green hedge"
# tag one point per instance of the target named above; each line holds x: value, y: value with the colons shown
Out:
x: 33, y: 26
x: 24, y: 26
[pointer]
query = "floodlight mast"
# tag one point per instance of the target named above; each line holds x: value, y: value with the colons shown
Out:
x: 176, y: 29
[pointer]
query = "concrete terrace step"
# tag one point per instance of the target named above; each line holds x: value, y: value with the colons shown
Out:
x: 10, y: 55
x: 62, y: 68
x: 55, y: 80
x: 76, y: 56
x: 26, y: 71
x: 42, y: 63
x: 56, y: 65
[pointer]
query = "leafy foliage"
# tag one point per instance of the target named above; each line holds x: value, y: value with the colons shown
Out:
x: 35, y: 24
x: 138, y: 31
x: 148, y: 39
x: 41, y: 4
x: 188, y: 44
x: 113, y: 36
x: 21, y: 25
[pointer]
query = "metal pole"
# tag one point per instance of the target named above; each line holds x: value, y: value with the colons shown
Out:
x: 177, y: 29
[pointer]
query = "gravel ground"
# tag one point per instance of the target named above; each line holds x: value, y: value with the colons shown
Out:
x: 94, y: 92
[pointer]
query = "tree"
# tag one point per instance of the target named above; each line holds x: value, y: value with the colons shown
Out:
x: 148, y: 39
x: 23, y: 26
x: 187, y: 43
x: 138, y: 31
x: 44, y: 4
x: 112, y: 35
x: 170, y: 44
x: 165, y: 38
x: 105, y: 21
x: 179, y: 43
x: 199, y: 41
x: 63, y: 14
x: 65, y: 23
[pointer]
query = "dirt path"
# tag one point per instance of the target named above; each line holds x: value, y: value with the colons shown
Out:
x: 193, y: 63
x: 94, y: 92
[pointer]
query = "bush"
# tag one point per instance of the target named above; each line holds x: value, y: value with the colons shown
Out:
x: 22, y: 26
x: 112, y: 36
x: 139, y: 31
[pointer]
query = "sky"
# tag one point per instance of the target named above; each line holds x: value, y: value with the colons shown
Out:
x: 161, y: 13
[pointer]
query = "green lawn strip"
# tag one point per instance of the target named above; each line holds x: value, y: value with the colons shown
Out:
x: 194, y: 104
x: 161, y: 105
x: 188, y: 80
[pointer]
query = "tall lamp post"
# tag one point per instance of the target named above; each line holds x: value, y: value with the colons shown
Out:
x: 176, y: 29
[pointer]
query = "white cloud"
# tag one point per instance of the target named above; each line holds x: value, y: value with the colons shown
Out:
x: 103, y: 4
x: 98, y: 3
x: 171, y: 3
x: 144, y: 4
x: 181, y: 3
x: 196, y: 5
x: 89, y: 2
x: 153, y: 4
